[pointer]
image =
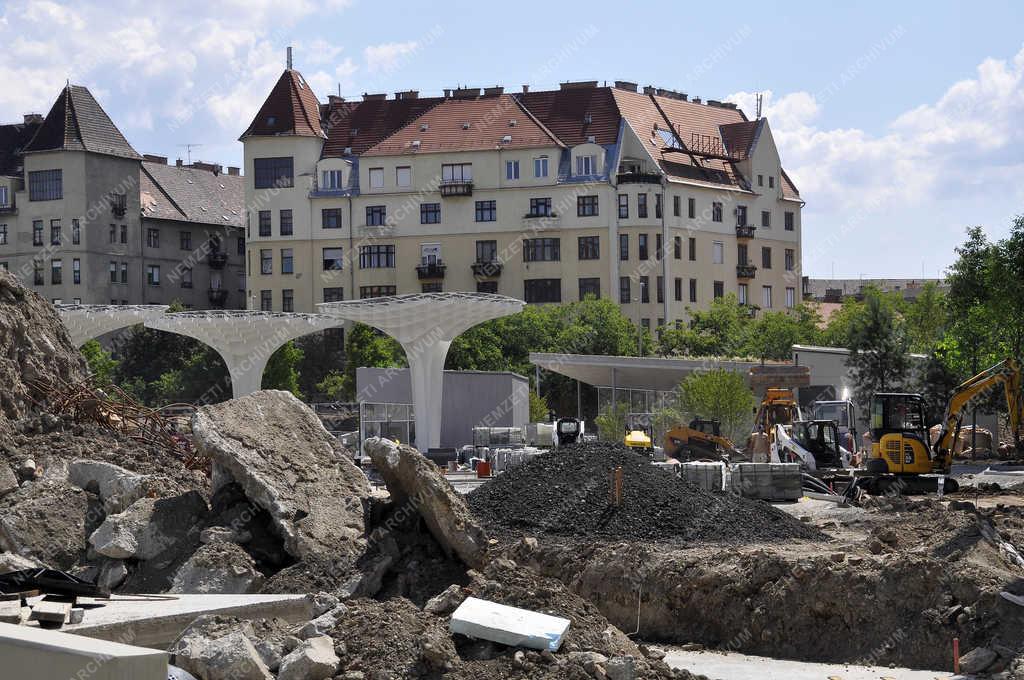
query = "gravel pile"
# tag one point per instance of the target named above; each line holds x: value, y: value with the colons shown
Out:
x: 567, y: 492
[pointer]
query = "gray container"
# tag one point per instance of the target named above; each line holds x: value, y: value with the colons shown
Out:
x: 767, y: 481
x: 708, y: 476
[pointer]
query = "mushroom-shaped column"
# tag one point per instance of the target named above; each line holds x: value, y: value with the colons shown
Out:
x: 425, y: 325
x: 244, y: 339
x: 85, y: 322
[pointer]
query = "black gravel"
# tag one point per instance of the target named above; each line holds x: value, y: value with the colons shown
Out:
x: 566, y: 492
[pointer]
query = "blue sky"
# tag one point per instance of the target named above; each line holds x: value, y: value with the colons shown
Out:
x: 900, y: 122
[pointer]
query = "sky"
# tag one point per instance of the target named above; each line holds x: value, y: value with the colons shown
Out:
x: 900, y: 122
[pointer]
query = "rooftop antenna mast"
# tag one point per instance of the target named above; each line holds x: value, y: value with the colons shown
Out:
x: 760, y: 99
x: 289, y: 57
x: 188, y: 150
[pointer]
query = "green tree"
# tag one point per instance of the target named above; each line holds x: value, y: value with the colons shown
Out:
x: 718, y: 394
x: 838, y: 332
x: 282, y: 372
x: 972, y: 324
x: 101, y: 365
x: 773, y: 334
x: 539, y: 409
x: 611, y: 423
x: 332, y: 386
x: 878, y: 347
x: 720, y: 330
x: 322, y: 354
x: 1006, y: 291
x: 366, y: 347
x: 926, y: 319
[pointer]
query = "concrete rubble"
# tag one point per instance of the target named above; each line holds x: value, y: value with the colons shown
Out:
x: 149, y: 527
x: 218, y: 568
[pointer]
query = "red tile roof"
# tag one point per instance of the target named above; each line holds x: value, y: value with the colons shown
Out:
x: 290, y: 109
x: 473, y: 124
x: 361, y: 125
x: 565, y: 113
x: 739, y: 137
x: 77, y: 122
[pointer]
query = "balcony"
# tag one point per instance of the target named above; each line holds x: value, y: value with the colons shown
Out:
x: 745, y: 231
x: 638, y: 178
x: 218, y: 296
x: 456, y: 187
x: 8, y: 209
x: 745, y: 271
x: 217, y: 259
x: 486, y: 270
x: 750, y: 309
x: 431, y: 270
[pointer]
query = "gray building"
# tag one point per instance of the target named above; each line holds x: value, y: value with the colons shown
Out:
x: 836, y: 290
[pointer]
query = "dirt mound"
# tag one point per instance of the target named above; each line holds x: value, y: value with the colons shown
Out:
x: 566, y: 492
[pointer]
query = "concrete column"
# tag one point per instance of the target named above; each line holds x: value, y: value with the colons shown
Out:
x: 246, y: 372
x: 426, y: 368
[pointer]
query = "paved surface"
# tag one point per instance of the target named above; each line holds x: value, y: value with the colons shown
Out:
x: 742, y: 667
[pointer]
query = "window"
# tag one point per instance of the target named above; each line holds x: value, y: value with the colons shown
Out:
x: 624, y: 294
x: 641, y: 246
x: 741, y: 254
x: 789, y: 221
x: 692, y: 247
x: 486, y: 251
x: 76, y: 271
x: 719, y: 289
x: 432, y: 287
x: 676, y: 210
x: 741, y: 215
x: 153, y: 274
x: 623, y: 206
x: 645, y: 323
x: 677, y: 247
x: 691, y: 208
x: 542, y: 290
x: 540, y: 166
x: 457, y: 172
x: 541, y: 250
x: 742, y: 293
x: 766, y: 297
x: 375, y: 291
x: 264, y: 220
x: 376, y: 178
x: 287, y: 261
x: 645, y: 292
x: 486, y: 211
x: 589, y: 248
x: 790, y: 297
x: 186, y: 240
x: 376, y: 215
x: 45, y: 185
x: 55, y: 232
x: 766, y: 258
x: 717, y: 252
x: 37, y: 273
x: 716, y: 212
x: 511, y: 169
x: 333, y: 260
x: 586, y: 165
x: 657, y: 206
x: 540, y: 207
x: 660, y: 289
x: 766, y: 219
x: 113, y: 233
x: 760, y: 180
x: 76, y: 232
x: 266, y: 301
x: 693, y: 290
x: 266, y: 261
x: 3, y: 234
x: 790, y: 259
x: 113, y: 272
x: 623, y: 247
x: 336, y: 294
x: 287, y: 300
x: 586, y: 206
x: 124, y: 272
x: 377, y: 257
x: 273, y: 172
x: 124, y: 233
x: 240, y: 245
x: 487, y: 286
x: 403, y: 176
x: 771, y: 181
x: 330, y: 218
x: 330, y: 180
x: 37, y: 232
x: 430, y: 213
x: 659, y: 247
x: 286, y: 223
x: 5, y: 198
x: 56, y: 272
x: 186, y: 277
x: 590, y: 286
x: 641, y: 205
x: 153, y: 238
x: 678, y: 289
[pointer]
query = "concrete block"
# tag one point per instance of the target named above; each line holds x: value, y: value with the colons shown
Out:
x: 10, y: 611
x: 51, y: 611
x: 506, y: 625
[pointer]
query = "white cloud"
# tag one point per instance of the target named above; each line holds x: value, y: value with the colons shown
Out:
x: 387, y: 56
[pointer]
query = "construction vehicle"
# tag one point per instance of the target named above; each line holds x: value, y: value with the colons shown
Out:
x: 902, y: 455
x: 700, y: 440
x: 778, y: 407
x: 568, y: 431
x: 813, y: 443
x: 639, y: 432
x: 844, y: 414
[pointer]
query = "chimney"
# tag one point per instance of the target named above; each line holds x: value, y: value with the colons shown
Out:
x: 649, y: 89
x: 715, y: 103
x: 447, y: 93
x: 374, y: 97
x: 233, y: 171
x: 178, y: 163
x: 491, y: 91
x: 209, y: 167
x: 33, y: 118
x: 289, y: 57
x: 526, y: 88
x: 407, y: 94
x: 625, y: 85
x: 696, y: 100
x: 466, y: 92
x: 579, y: 85
x: 334, y: 99
x: 153, y: 158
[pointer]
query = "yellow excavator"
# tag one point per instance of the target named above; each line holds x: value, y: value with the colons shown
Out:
x: 902, y: 455
x: 700, y: 440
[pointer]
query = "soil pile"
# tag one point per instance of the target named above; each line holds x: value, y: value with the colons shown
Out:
x: 567, y: 492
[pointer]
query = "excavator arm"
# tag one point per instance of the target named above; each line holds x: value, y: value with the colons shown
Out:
x: 1008, y: 374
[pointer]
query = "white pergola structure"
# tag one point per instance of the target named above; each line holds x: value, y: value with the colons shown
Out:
x: 85, y: 322
x: 244, y: 339
x: 425, y: 325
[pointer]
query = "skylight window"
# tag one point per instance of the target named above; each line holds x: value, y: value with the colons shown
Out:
x: 668, y: 138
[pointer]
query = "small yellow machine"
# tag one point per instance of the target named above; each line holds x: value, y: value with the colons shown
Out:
x: 700, y: 440
x: 638, y: 432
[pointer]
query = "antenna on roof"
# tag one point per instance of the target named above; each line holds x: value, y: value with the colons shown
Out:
x: 188, y: 150
x: 289, y: 57
x: 760, y: 98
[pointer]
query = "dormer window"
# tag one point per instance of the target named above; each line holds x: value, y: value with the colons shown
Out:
x: 586, y: 165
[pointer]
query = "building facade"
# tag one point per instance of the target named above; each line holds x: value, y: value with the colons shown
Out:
x: 84, y: 218
x: 653, y: 200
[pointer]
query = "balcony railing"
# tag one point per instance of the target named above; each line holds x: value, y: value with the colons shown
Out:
x: 8, y: 209
x: 217, y: 259
x: 638, y: 178
x: 487, y: 269
x: 745, y: 271
x: 431, y: 270
x: 456, y: 187
x: 218, y: 296
x: 745, y: 231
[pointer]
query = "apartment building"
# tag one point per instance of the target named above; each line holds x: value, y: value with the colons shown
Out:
x: 85, y: 218
x: 657, y: 201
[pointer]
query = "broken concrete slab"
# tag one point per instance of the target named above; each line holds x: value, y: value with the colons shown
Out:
x: 51, y: 611
x: 485, y: 620
x: 278, y: 451
x: 11, y: 562
x: 231, y: 657
x: 314, y: 659
x: 413, y: 479
x: 117, y: 488
x: 149, y: 527
x: 222, y: 568
x: 59, y: 541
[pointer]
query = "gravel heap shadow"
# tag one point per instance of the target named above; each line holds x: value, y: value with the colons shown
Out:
x: 567, y: 492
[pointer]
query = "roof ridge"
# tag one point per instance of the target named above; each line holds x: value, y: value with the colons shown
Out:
x: 542, y: 126
x: 70, y: 115
x: 164, y: 191
x: 293, y: 75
